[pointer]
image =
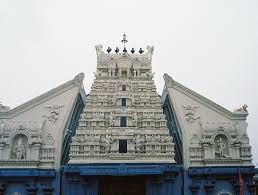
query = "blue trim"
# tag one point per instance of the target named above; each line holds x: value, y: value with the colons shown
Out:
x: 14, y: 172
x: 223, y: 170
x: 121, y: 169
x: 174, y: 129
x: 73, y: 123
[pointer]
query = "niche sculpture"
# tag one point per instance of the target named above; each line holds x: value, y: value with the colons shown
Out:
x: 19, y: 147
x: 221, y: 146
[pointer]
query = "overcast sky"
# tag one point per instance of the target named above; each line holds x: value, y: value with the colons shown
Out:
x: 209, y: 46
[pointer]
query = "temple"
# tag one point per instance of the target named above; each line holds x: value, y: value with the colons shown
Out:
x: 123, y: 137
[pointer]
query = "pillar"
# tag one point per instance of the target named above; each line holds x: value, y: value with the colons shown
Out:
x: 170, y: 187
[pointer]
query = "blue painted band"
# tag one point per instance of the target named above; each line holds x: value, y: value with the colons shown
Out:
x: 197, y: 171
x: 119, y: 169
x: 26, y: 172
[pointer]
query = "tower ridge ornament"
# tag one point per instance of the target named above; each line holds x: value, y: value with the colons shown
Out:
x: 124, y: 41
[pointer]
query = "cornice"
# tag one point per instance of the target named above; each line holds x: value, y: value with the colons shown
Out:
x: 77, y: 82
x: 170, y: 83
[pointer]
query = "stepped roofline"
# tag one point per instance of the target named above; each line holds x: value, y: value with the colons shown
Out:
x: 144, y: 57
x: 239, y: 114
x: 77, y: 81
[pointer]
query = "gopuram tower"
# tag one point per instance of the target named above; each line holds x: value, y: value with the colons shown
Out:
x: 123, y: 119
x: 122, y: 144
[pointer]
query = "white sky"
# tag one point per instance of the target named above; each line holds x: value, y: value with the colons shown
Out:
x: 209, y: 46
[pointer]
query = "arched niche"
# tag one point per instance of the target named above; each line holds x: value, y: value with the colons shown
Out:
x: 19, y: 147
x: 221, y: 146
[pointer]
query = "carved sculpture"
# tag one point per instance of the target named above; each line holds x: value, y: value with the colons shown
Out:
x: 145, y: 125
x: 243, y: 109
x: 221, y: 148
x: 20, y: 151
x: 54, y: 112
x: 107, y: 140
x: 190, y: 113
x: 111, y: 119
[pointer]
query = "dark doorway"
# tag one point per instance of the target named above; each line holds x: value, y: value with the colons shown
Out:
x: 130, y: 185
x: 122, y: 146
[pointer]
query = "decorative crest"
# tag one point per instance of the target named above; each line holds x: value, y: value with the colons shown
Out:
x: 124, y: 41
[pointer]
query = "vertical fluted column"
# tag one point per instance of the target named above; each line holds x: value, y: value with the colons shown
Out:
x: 37, y: 147
x: 1, y: 150
x: 169, y: 180
x: 73, y: 181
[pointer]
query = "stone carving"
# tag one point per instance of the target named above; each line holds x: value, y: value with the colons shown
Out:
x: 135, y: 119
x: 143, y: 134
x: 49, y: 140
x: 221, y: 143
x: 54, y: 112
x: 99, y: 48
x: 19, y: 150
x: 4, y: 108
x: 22, y: 141
x: 106, y: 141
x: 221, y: 148
x: 139, y: 142
x: 150, y: 49
x: 190, y: 113
x: 243, y: 109
x: 150, y: 75
x: 111, y: 119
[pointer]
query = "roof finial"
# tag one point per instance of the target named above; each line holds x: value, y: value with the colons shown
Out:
x: 124, y: 41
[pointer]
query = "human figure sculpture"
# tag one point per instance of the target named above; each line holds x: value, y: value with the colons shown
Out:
x: 107, y: 142
x: 20, y: 150
x: 221, y: 147
x: 138, y: 143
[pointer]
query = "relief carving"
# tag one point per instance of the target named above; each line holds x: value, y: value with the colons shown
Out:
x: 106, y: 141
x: 190, y: 113
x: 221, y: 147
x: 19, y: 148
x: 54, y: 112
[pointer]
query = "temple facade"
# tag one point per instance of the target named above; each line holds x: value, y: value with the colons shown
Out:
x: 123, y: 138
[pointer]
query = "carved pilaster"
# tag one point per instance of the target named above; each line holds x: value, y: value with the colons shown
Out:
x: 169, y: 180
x: 1, y: 150
x: 37, y: 147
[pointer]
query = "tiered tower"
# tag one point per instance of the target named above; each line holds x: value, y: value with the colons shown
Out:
x: 123, y: 119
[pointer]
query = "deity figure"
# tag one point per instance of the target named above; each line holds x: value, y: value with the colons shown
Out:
x: 107, y: 142
x: 221, y: 147
x: 138, y: 142
x: 20, y: 150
